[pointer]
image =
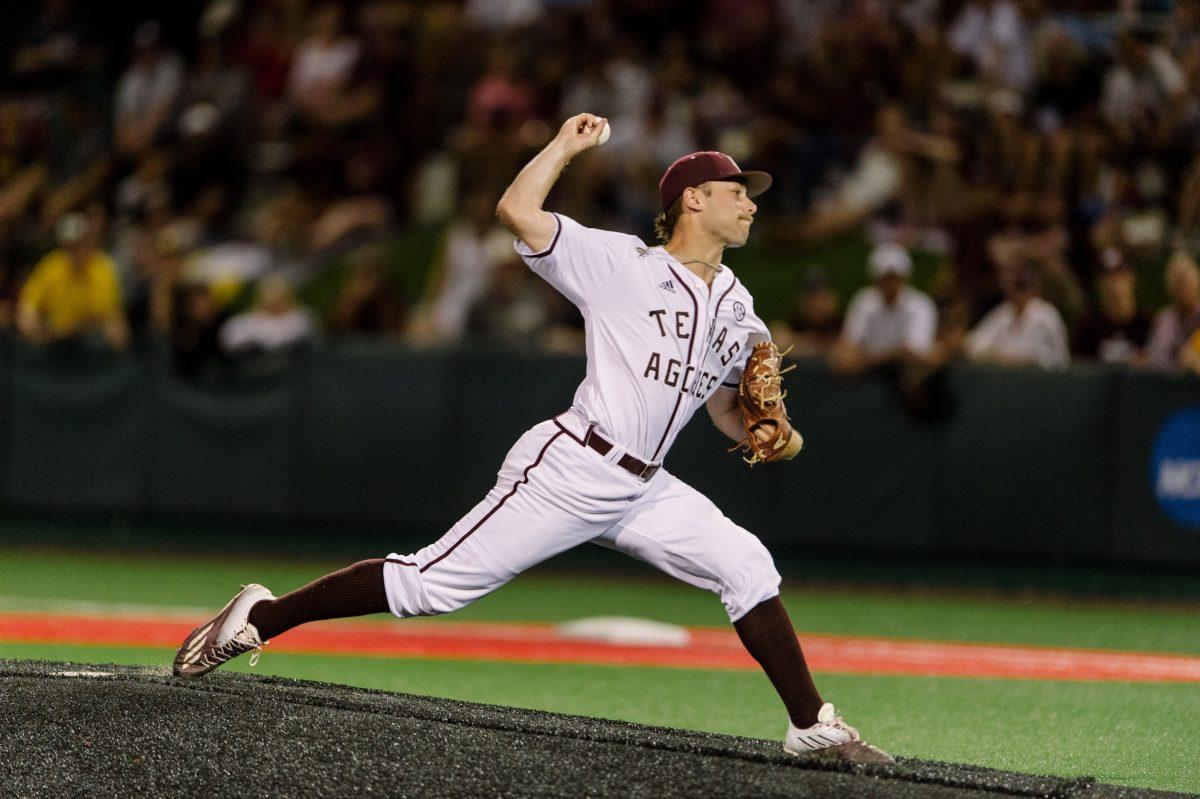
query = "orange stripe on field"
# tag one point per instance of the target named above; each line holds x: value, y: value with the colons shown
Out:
x: 708, y: 648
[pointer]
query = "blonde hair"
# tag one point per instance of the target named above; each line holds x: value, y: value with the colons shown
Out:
x: 664, y: 223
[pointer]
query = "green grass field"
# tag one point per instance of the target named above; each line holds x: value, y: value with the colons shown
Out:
x: 1133, y: 734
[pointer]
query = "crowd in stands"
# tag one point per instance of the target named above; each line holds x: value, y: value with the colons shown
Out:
x: 196, y: 178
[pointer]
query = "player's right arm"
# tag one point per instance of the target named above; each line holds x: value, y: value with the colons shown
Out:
x: 520, y: 209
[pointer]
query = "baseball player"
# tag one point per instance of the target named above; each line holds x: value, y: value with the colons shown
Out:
x: 669, y: 329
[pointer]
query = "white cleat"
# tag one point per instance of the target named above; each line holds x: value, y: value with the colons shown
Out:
x: 832, y: 738
x: 224, y: 637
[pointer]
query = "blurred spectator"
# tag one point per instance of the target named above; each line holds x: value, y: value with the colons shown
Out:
x: 500, y: 98
x: 368, y: 303
x: 72, y: 293
x: 1117, y: 329
x: 816, y: 321
x: 186, y: 313
x: 323, y: 66
x: 999, y: 133
x: 1141, y: 89
x: 78, y: 157
x: 501, y: 15
x: 1189, y: 357
x: 146, y: 92
x: 276, y: 323
x: 222, y: 85
x: 893, y: 165
x: 1024, y: 329
x: 513, y: 311
x: 1175, y: 324
x: 994, y: 35
x: 55, y: 43
x: 475, y: 247
x: 888, y: 322
x: 195, y: 345
x: 1036, y: 236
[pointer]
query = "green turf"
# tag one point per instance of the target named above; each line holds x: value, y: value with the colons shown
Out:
x: 29, y: 579
x: 1142, y: 735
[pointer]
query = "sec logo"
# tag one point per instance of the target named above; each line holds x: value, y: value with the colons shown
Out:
x: 739, y: 311
x: 1175, y: 467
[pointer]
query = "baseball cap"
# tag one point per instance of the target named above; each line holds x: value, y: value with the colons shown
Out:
x: 697, y: 168
x: 889, y: 259
x: 71, y: 229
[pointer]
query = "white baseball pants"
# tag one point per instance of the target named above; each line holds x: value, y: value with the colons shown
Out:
x: 553, y: 493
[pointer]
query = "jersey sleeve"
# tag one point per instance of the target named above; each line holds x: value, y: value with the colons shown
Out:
x: 580, y: 261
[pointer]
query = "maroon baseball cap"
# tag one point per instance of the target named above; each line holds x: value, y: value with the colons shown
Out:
x: 697, y: 168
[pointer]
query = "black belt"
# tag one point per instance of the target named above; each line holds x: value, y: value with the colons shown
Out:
x: 639, y: 469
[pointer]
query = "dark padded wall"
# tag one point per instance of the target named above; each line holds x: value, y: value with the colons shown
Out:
x: 1051, y: 464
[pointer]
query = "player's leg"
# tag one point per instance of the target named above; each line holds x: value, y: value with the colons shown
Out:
x: 680, y: 531
x: 550, y: 495
x: 353, y: 591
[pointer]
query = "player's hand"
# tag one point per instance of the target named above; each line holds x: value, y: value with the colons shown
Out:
x: 579, y: 133
x: 765, y: 432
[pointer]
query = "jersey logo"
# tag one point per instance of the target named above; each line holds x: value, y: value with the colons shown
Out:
x: 739, y: 311
x: 668, y: 286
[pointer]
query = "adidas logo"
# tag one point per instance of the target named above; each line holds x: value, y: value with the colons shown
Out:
x: 668, y: 286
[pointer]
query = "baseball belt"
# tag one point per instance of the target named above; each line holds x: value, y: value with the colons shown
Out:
x: 639, y: 469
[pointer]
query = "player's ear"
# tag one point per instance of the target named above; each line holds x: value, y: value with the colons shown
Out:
x: 693, y: 199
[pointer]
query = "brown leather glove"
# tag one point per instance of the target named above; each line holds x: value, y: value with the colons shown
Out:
x: 769, y: 434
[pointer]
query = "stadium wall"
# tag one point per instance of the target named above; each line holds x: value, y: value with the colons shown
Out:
x: 1055, y: 464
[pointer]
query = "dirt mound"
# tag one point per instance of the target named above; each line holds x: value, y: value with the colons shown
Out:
x: 87, y: 730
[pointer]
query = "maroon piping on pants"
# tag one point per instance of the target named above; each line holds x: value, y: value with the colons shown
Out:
x: 524, y: 479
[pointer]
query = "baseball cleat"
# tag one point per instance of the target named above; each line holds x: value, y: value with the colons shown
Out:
x: 224, y: 637
x: 832, y: 738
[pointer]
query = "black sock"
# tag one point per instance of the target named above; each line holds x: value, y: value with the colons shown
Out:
x: 766, y: 631
x: 354, y: 591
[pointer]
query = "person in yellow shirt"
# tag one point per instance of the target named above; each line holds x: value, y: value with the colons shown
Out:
x: 73, y: 293
x: 1189, y: 356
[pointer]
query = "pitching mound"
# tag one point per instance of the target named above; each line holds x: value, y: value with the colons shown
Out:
x: 85, y: 730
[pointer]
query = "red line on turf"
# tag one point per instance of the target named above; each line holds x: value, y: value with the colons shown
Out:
x: 708, y: 648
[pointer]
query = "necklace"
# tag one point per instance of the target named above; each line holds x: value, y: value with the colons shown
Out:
x: 716, y: 268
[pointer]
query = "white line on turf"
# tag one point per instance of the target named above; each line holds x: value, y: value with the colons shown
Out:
x: 77, y: 607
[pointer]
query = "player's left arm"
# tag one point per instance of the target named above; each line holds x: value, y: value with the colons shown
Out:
x: 723, y: 410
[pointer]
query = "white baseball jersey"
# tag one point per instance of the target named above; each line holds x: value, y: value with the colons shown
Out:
x: 659, y: 341
x: 1038, y: 335
x: 877, y: 327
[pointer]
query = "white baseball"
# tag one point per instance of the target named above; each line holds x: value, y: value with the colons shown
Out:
x: 604, y: 134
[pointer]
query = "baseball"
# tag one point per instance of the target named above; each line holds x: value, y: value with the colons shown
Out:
x: 604, y: 134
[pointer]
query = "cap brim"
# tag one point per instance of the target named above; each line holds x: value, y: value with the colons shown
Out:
x: 756, y: 182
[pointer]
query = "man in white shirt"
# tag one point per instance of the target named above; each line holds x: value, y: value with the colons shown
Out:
x: 889, y: 322
x: 669, y: 330
x: 1022, y: 330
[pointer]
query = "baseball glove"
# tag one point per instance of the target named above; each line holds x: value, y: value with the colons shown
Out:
x: 769, y: 434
